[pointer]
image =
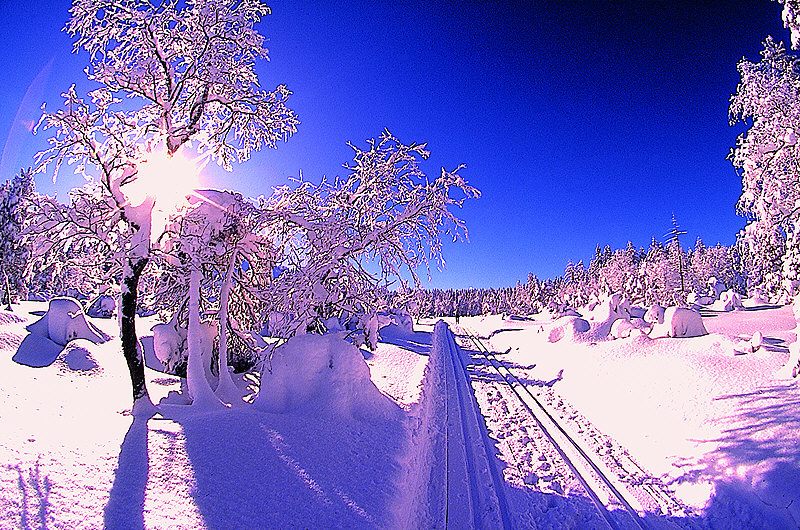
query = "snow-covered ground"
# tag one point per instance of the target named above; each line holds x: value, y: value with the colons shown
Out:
x: 73, y: 457
x: 710, y: 425
x: 714, y: 424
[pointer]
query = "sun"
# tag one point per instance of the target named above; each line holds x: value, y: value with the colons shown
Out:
x: 167, y: 179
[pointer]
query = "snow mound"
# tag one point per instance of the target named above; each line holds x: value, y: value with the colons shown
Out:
x: 791, y: 368
x: 65, y: 321
x: 621, y: 328
x: 654, y: 315
x: 313, y: 373
x: 679, y: 322
x: 569, y: 327
x: 728, y: 301
x: 169, y: 341
x: 102, y: 307
x: 606, y: 312
x: 77, y: 356
x: 756, y: 299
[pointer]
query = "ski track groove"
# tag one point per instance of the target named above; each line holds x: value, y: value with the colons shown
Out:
x: 474, y: 452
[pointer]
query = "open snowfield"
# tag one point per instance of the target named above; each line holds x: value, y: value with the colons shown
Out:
x: 717, y: 427
x: 713, y: 427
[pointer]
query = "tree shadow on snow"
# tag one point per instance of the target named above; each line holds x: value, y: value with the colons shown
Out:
x: 40, y: 487
x: 261, y: 470
x: 418, y: 342
x: 775, y: 345
x: 482, y: 369
x: 125, y: 507
x: 760, y: 438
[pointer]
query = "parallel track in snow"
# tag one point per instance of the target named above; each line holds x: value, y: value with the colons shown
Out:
x: 474, y: 489
x: 604, y: 490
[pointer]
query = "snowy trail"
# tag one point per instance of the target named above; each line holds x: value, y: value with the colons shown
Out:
x: 475, y: 493
x: 614, y: 502
x: 597, y: 482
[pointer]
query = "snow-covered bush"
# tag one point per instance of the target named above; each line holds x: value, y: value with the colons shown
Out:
x: 621, y: 328
x: 728, y: 301
x: 654, y: 315
x: 568, y: 327
x: 679, y: 322
x: 103, y: 306
x: 65, y: 321
x: 313, y: 373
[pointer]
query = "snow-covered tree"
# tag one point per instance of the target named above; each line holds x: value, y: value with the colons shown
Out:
x: 71, y: 245
x: 791, y: 19
x: 16, y: 198
x: 385, y: 211
x: 189, y: 69
x: 213, y: 241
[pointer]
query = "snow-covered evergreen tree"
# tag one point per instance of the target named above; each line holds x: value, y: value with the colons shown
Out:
x: 16, y: 197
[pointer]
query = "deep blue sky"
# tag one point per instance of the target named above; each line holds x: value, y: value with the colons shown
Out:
x: 582, y: 123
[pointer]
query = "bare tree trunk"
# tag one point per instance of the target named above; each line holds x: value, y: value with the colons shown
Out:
x: 127, y: 326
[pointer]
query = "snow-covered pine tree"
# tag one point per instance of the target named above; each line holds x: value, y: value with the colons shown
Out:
x: 190, y: 71
x: 16, y: 198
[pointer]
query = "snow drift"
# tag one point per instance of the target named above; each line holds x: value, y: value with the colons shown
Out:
x: 322, y: 372
x: 568, y: 327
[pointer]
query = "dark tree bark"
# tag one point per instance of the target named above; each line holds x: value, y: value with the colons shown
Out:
x: 130, y: 341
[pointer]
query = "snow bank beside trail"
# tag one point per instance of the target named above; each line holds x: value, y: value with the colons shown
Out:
x: 322, y: 372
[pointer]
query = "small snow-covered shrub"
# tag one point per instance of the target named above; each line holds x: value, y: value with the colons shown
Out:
x: 679, y: 322
x: 65, y: 321
x: 654, y: 315
x: 77, y: 357
x: 728, y: 301
x: 567, y: 327
x: 755, y: 299
x: 169, y: 344
x: 103, y: 306
x: 621, y: 328
x: 313, y: 373
x: 715, y: 288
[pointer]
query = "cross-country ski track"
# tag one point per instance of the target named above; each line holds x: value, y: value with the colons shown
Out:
x: 558, y: 460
